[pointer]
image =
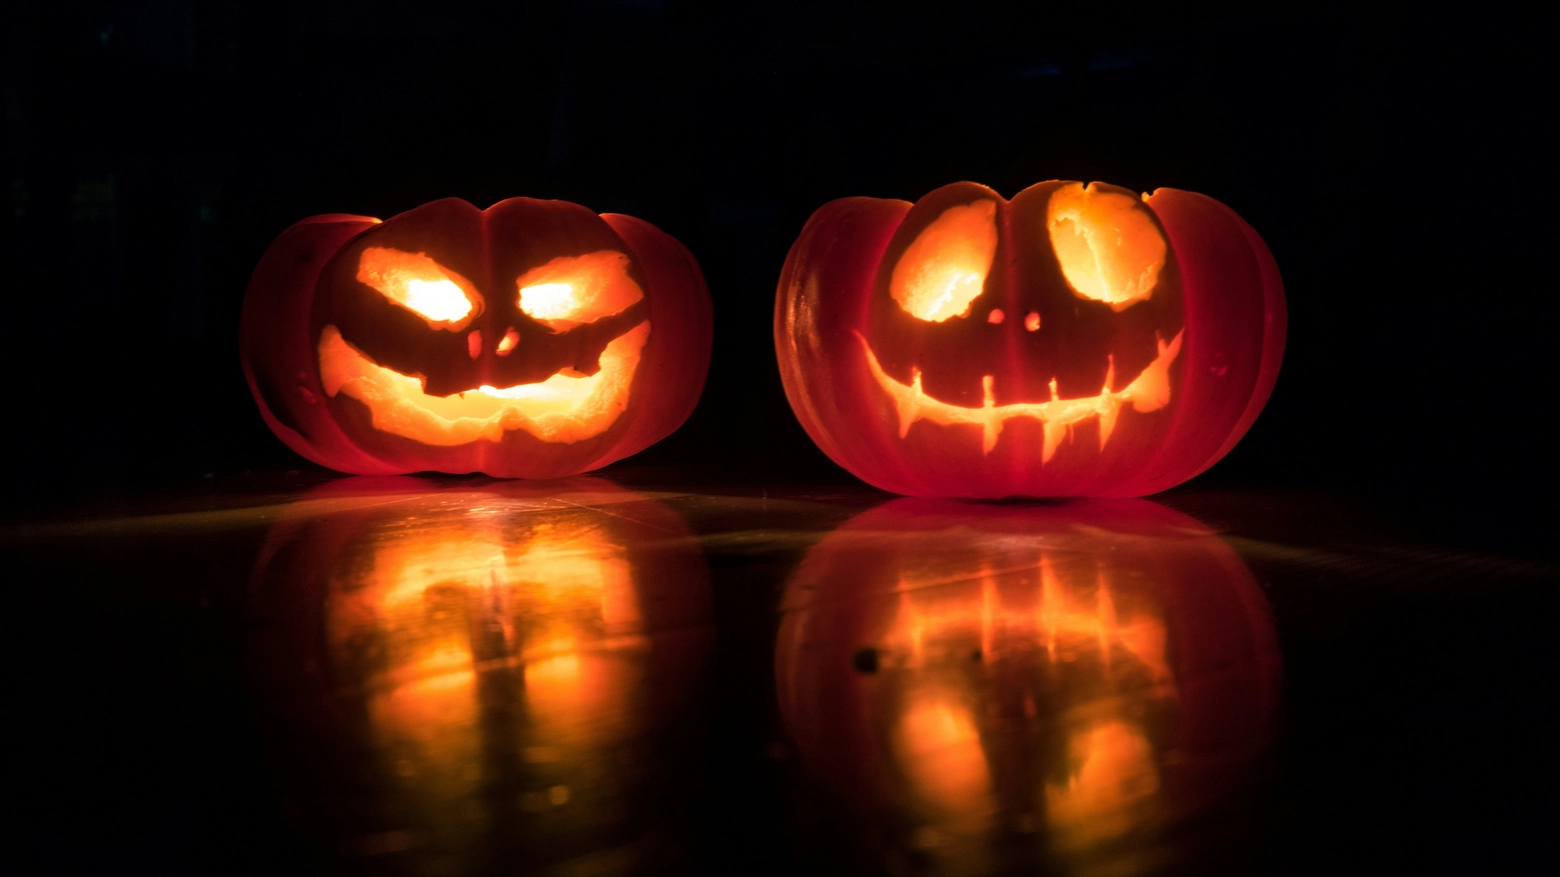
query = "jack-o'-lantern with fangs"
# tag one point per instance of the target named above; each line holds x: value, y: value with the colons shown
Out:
x: 534, y: 339
x: 1078, y: 340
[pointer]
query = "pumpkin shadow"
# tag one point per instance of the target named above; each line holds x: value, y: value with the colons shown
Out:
x: 985, y: 688
x: 477, y: 676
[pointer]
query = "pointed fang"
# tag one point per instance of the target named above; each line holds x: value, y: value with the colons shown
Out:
x: 1149, y: 391
x: 1054, y: 433
x: 1108, y: 422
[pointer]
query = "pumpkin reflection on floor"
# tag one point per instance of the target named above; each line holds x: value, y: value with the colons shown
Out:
x: 477, y: 678
x: 995, y: 688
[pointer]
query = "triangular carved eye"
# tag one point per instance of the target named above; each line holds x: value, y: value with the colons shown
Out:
x: 944, y: 269
x: 571, y: 290
x: 1107, y: 243
x: 419, y: 284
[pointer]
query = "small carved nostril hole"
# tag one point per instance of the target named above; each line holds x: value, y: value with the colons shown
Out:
x: 507, y: 343
x: 1032, y: 322
x: 474, y: 343
x: 995, y: 316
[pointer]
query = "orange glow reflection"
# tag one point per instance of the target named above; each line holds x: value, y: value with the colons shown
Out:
x: 1111, y: 769
x: 500, y: 646
x: 550, y: 608
x: 1071, y: 675
x: 939, y: 746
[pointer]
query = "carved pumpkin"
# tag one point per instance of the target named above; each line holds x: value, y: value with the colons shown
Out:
x: 533, y: 339
x: 487, y: 676
x: 1075, y: 341
x: 1000, y: 690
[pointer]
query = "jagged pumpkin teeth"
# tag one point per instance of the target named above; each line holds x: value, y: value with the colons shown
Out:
x: 516, y: 341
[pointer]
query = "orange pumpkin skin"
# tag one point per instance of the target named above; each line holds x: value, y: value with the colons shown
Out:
x: 350, y: 374
x: 1048, y: 383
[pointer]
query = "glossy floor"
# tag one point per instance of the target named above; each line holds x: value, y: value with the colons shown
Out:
x: 463, y: 676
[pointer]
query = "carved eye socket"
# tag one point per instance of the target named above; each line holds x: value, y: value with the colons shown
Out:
x: 572, y: 290
x: 1109, y: 248
x: 419, y: 284
x: 945, y: 267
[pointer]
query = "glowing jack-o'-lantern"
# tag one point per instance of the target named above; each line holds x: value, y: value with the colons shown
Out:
x: 533, y: 339
x: 1075, y: 341
x: 481, y: 676
x: 1001, y: 690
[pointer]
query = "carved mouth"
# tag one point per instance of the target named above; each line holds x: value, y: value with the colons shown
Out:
x: 562, y: 409
x: 1150, y: 391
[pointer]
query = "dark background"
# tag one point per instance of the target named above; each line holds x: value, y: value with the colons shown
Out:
x: 1396, y: 159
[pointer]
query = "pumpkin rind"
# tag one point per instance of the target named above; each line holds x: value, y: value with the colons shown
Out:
x: 1211, y: 328
x: 277, y: 353
x: 309, y: 305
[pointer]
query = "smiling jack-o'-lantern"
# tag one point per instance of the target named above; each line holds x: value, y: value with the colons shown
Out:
x: 1002, y: 690
x: 477, y: 679
x: 533, y: 339
x: 1074, y: 341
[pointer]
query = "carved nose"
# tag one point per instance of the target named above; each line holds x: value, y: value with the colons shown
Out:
x: 509, y: 342
x: 474, y: 343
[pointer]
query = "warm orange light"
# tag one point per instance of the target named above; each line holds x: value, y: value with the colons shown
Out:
x: 549, y: 301
x: 1150, y: 391
x: 551, y: 601
x: 1060, y: 616
x: 1023, y: 603
x: 419, y: 284
x: 1015, y: 689
x: 945, y: 267
x: 563, y: 408
x: 1115, y: 770
x: 426, y: 728
x: 1107, y: 243
x: 1068, y: 613
x: 509, y: 342
x: 571, y: 290
x: 403, y: 570
x: 572, y: 584
x: 940, y: 749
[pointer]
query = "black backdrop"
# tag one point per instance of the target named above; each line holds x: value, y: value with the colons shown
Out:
x: 1397, y: 160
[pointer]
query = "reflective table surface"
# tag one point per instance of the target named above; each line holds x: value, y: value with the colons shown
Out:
x: 617, y: 675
